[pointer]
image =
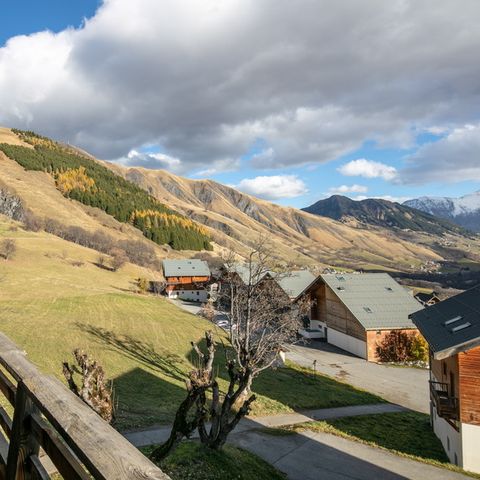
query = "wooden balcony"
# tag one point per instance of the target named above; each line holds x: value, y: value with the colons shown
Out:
x: 50, y: 422
x: 445, y: 403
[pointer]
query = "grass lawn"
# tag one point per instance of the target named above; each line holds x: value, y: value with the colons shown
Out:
x: 193, y: 461
x: 408, y: 434
x: 49, y: 306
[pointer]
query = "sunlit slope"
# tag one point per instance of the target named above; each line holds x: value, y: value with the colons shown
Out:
x: 237, y: 219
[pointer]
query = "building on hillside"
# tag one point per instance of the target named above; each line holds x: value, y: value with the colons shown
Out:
x: 356, y: 311
x: 291, y: 283
x: 427, y: 299
x: 452, y: 330
x: 295, y: 282
x: 187, y: 279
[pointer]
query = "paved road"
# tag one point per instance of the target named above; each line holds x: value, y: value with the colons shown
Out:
x: 321, y: 456
x: 191, y: 307
x: 407, y: 387
x: 154, y: 435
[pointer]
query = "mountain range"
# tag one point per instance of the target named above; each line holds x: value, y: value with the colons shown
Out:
x: 464, y: 211
x: 234, y: 220
x: 381, y: 213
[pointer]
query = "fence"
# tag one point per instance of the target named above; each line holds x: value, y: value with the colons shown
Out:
x: 50, y: 420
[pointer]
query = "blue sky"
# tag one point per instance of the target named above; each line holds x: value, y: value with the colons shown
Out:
x: 22, y: 17
x: 291, y: 109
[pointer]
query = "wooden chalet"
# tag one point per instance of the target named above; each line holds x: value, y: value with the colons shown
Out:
x: 356, y: 311
x: 427, y: 299
x: 187, y: 279
x: 452, y: 330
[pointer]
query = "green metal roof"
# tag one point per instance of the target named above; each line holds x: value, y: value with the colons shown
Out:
x: 185, y: 268
x: 453, y: 325
x: 294, y: 283
x: 376, y: 300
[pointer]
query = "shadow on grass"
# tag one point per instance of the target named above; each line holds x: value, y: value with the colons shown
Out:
x: 165, y: 362
x: 144, y: 399
x: 292, y: 386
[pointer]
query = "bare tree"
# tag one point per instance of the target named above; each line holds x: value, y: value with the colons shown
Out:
x: 119, y: 258
x: 94, y: 391
x: 262, y: 319
x: 8, y: 248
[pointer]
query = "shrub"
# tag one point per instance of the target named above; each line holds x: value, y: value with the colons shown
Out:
x: 32, y: 222
x: 419, y: 349
x: 399, y: 347
x: 142, y: 284
x: 8, y: 248
x: 119, y: 258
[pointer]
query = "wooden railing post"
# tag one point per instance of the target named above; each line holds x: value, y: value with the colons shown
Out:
x: 22, y: 441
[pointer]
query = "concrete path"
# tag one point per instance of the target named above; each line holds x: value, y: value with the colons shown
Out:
x: 151, y: 436
x: 321, y: 456
x: 404, y: 386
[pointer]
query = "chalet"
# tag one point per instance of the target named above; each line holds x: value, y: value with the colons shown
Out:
x: 452, y: 330
x: 295, y: 282
x: 356, y: 311
x: 187, y: 279
x: 291, y: 283
x: 427, y: 299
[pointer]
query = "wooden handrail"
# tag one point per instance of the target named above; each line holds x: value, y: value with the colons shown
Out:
x: 47, y: 415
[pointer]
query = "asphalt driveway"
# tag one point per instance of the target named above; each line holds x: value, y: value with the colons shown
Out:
x: 404, y: 386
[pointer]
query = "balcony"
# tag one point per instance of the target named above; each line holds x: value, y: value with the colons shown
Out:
x: 445, y: 403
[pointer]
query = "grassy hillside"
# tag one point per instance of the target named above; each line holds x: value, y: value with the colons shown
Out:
x: 235, y: 219
x: 87, y: 181
x: 53, y: 299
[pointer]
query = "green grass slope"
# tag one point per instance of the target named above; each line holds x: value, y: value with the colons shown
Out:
x: 53, y: 298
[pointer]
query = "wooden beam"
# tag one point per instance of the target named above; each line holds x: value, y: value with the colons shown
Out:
x: 22, y: 443
x: 102, y: 450
x: 68, y: 465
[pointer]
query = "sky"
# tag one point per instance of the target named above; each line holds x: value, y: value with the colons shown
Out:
x: 287, y: 101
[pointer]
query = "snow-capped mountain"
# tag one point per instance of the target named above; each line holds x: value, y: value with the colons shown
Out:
x: 464, y: 211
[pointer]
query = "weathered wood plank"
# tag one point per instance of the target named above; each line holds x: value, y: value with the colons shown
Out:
x: 68, y: 465
x: 36, y: 468
x: 3, y: 450
x: 7, y: 388
x: 105, y: 453
x: 22, y: 442
x: 5, y: 422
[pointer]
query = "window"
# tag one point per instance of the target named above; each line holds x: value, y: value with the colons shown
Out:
x: 444, y: 365
x: 389, y: 289
x: 368, y: 309
x: 448, y: 443
x: 453, y: 320
x: 460, y: 327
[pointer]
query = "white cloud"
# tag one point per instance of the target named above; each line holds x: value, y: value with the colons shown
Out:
x: 390, y: 198
x: 368, y: 169
x: 153, y: 161
x: 454, y: 158
x: 343, y: 189
x: 273, y: 187
x: 206, y: 80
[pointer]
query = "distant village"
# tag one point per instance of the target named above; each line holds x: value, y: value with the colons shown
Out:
x: 365, y: 314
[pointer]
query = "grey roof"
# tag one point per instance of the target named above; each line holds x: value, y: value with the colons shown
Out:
x: 294, y: 283
x: 376, y: 300
x: 244, y: 271
x: 185, y: 268
x: 453, y: 325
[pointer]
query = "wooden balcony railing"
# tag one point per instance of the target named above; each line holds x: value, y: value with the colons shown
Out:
x: 445, y: 403
x: 50, y: 421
